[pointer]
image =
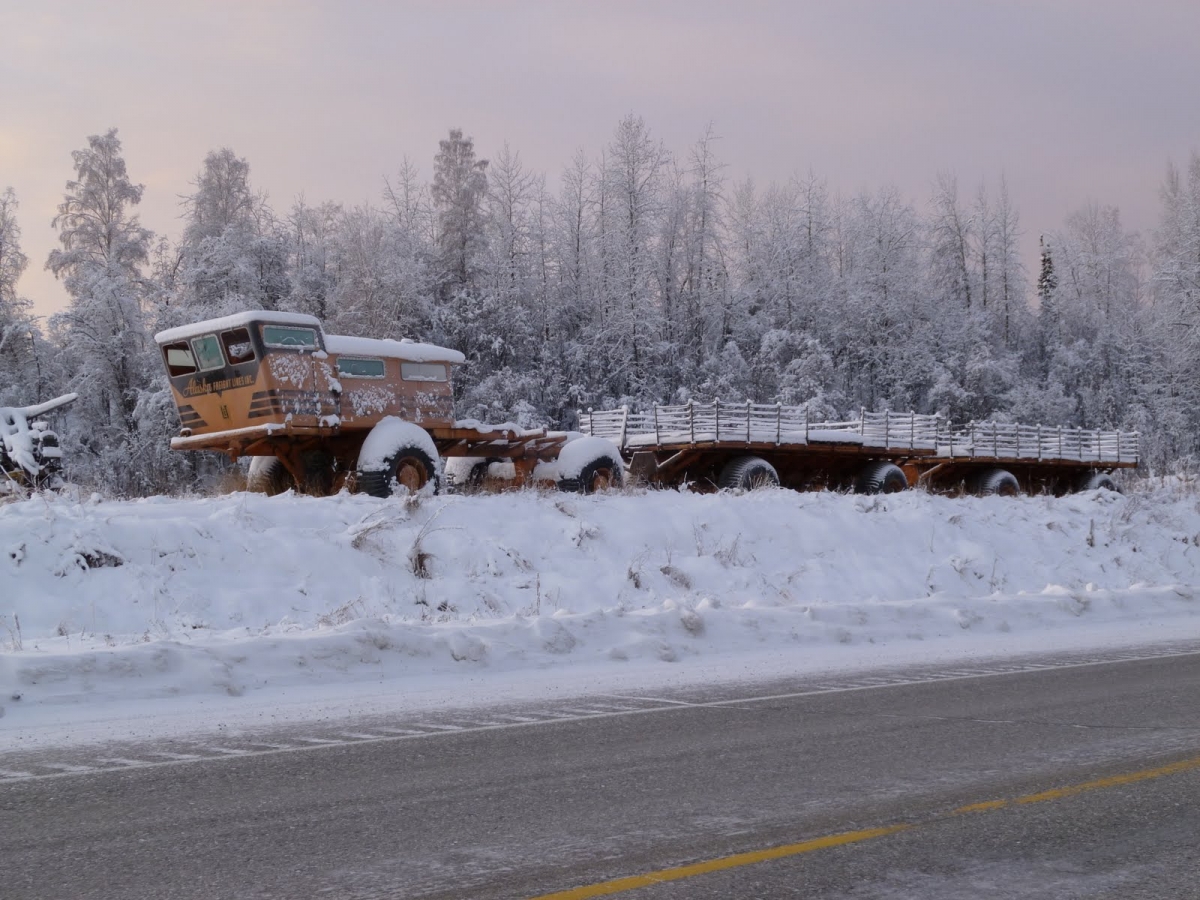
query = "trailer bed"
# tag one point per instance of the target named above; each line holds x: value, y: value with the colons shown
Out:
x: 669, y: 444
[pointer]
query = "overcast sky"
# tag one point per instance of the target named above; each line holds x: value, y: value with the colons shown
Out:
x: 1073, y: 100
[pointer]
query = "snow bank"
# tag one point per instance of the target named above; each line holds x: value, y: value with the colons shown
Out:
x: 163, y: 597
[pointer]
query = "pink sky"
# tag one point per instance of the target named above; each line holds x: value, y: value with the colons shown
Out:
x: 1073, y: 100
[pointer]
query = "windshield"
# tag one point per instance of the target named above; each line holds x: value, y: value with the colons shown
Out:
x: 208, y: 352
x: 179, y: 359
x: 289, y: 336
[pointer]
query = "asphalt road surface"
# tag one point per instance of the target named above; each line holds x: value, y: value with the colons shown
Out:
x: 1043, y: 780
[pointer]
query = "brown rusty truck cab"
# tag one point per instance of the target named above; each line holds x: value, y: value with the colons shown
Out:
x: 321, y: 411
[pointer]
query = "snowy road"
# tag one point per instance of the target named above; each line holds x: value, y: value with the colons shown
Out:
x: 524, y: 801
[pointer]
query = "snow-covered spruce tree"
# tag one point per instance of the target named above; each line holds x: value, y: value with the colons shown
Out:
x: 1047, y: 329
x: 459, y: 194
x: 106, y: 352
x: 23, y: 379
x: 459, y: 191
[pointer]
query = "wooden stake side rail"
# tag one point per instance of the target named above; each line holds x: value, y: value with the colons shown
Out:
x: 911, y: 434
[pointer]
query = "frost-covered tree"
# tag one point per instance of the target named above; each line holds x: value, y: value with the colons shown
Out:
x: 222, y: 199
x: 312, y: 274
x: 233, y: 257
x: 1177, y: 240
x: 410, y: 215
x: 12, y: 260
x: 102, y: 332
x: 459, y: 190
x: 952, y: 233
x: 1099, y: 261
x: 22, y: 380
x: 511, y: 290
x: 572, y: 315
x: 631, y: 203
x: 1102, y: 352
x: 888, y: 315
x: 463, y: 307
x: 699, y: 309
x: 975, y: 277
x: 382, y: 287
x: 645, y: 278
x: 1175, y: 316
x: 1006, y: 279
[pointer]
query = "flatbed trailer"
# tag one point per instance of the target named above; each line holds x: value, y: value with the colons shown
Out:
x: 729, y: 445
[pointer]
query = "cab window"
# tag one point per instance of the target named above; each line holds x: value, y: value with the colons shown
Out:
x: 208, y: 353
x: 289, y: 336
x: 357, y: 367
x: 411, y: 371
x: 179, y: 359
x: 238, y: 348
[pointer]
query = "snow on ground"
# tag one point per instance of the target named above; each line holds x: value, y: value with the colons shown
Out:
x: 176, y: 606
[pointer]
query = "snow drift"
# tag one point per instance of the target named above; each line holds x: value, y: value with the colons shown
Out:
x: 162, y: 597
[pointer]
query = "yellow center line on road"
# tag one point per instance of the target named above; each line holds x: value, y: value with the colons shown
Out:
x: 1174, y: 768
x: 621, y: 885
x: 633, y: 882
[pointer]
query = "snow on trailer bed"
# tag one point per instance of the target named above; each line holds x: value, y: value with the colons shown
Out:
x: 931, y: 435
x: 744, y: 445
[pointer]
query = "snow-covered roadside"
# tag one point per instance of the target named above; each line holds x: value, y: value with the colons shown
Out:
x: 153, y: 603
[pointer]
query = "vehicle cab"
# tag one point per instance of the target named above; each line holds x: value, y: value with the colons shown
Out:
x: 240, y: 380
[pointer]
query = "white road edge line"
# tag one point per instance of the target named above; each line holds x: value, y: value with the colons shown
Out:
x: 312, y: 744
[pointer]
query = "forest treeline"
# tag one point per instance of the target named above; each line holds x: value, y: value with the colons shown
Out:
x: 643, y: 276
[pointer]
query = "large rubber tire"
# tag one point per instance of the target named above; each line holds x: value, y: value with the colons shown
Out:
x: 747, y: 473
x: 996, y: 483
x: 881, y: 477
x: 408, y: 467
x: 1097, y: 481
x: 476, y: 477
x: 268, y: 475
x: 602, y: 474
